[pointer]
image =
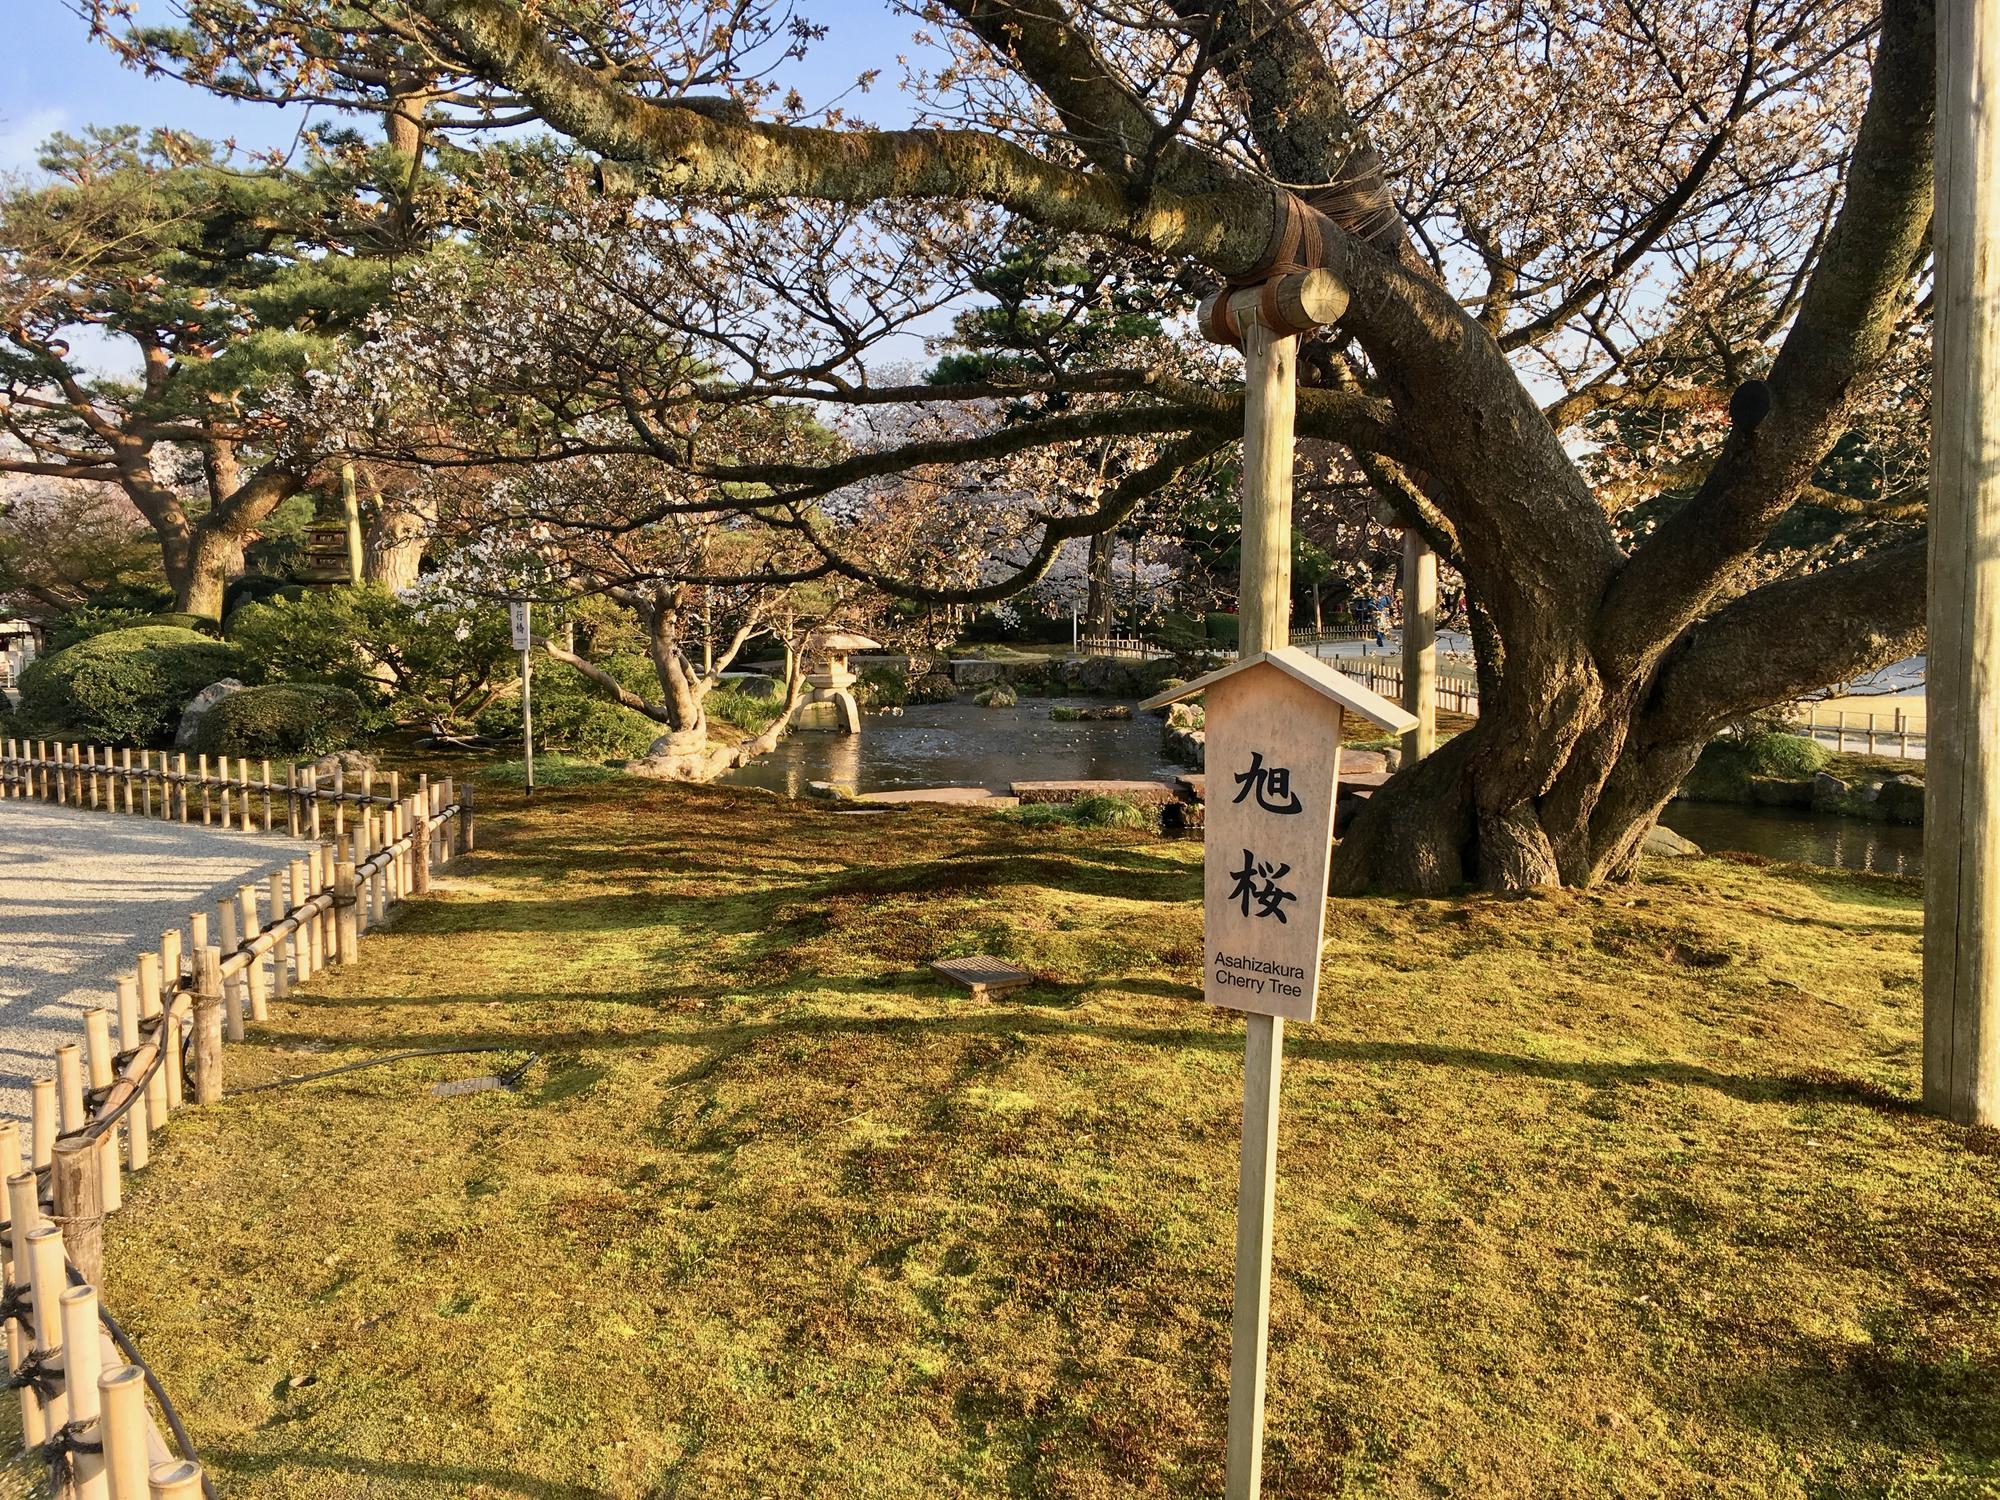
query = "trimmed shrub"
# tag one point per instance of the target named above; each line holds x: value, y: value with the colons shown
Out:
x: 569, y: 718
x: 932, y: 687
x: 82, y: 624
x: 1791, y: 756
x: 125, y: 687
x: 284, y: 721
x: 1222, y: 629
x: 882, y: 687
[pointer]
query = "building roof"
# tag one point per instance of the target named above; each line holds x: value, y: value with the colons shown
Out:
x: 1315, y: 674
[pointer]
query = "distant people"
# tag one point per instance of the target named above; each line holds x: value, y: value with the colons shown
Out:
x: 1382, y: 608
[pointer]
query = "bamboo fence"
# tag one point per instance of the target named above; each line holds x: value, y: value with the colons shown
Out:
x: 159, y: 1049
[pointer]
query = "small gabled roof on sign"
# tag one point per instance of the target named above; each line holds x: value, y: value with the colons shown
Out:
x: 1315, y: 674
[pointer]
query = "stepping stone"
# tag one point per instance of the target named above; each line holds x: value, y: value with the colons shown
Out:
x: 986, y: 977
x: 946, y: 794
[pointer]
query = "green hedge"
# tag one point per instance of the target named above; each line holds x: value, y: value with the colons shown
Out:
x: 125, y: 687
x: 282, y: 721
x: 572, y: 716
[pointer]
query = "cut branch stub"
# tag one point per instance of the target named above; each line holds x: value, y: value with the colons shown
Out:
x: 1295, y: 302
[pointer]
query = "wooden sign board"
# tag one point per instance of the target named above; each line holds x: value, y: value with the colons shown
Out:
x: 1273, y: 761
x: 1273, y: 768
x: 517, y: 618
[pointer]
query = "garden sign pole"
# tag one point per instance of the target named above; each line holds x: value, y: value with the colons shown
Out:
x: 1962, y: 783
x: 1267, y: 320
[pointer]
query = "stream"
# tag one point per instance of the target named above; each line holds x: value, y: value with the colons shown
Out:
x: 961, y: 744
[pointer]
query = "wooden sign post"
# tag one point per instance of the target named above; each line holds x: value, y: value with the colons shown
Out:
x: 1265, y: 322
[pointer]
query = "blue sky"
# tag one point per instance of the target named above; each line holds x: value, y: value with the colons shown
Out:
x: 53, y: 77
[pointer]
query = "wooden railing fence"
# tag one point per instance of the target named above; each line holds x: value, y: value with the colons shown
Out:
x: 1458, y: 694
x: 83, y: 1390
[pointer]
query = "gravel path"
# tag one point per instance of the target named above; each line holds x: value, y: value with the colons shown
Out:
x: 80, y: 894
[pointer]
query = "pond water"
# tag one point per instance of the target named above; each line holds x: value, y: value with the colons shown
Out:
x: 1805, y: 837
x: 961, y: 744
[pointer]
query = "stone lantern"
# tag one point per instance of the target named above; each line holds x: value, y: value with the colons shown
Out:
x: 830, y: 700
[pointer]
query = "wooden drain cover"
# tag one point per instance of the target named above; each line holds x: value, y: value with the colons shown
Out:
x: 984, y: 976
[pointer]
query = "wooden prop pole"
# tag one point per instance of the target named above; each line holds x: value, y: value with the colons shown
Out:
x: 79, y: 1187
x: 1962, y: 781
x: 1420, y: 657
x: 1264, y: 591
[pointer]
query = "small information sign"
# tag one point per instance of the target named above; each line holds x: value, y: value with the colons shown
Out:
x: 1273, y: 760
x: 517, y: 616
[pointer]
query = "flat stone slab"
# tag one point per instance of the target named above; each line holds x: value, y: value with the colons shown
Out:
x: 1146, y: 793
x: 949, y: 794
x: 986, y: 977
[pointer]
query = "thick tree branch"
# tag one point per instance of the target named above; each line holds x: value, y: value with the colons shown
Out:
x: 1846, y: 318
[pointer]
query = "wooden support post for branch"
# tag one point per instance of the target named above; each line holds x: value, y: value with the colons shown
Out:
x: 122, y: 1394
x: 100, y: 1060
x: 82, y: 1365
x: 79, y: 1194
x: 1962, y: 778
x: 207, y: 1025
x: 24, y: 1211
x: 347, y: 945
x: 139, y: 1118
x: 1420, y: 611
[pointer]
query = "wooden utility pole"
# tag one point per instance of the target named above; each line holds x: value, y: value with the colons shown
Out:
x: 1420, y: 652
x: 1267, y: 321
x: 1962, y: 778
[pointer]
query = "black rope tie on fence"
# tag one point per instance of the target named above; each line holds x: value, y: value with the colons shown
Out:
x: 65, y: 1443
x: 38, y: 1372
x: 16, y: 1306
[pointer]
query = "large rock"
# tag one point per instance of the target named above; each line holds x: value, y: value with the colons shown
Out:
x: 199, y: 705
x: 1662, y: 842
x: 1829, y: 792
x: 1902, y: 799
x: 350, y: 764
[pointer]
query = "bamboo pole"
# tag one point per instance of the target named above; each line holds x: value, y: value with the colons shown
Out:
x: 45, y: 1285
x: 180, y: 787
x: 138, y: 1119
x: 24, y: 1212
x: 208, y: 1025
x: 466, y: 845
x: 69, y: 1086
x: 246, y: 896
x: 99, y: 1058
x: 82, y: 1365
x: 1962, y: 778
x: 207, y: 806
x: 233, y: 985
x: 339, y: 800
x: 292, y: 801
x: 348, y: 943
x: 420, y: 845
x: 302, y: 936
x: 179, y: 1480
x: 282, y: 942
x: 42, y: 1123
x: 264, y: 779
x: 122, y: 1392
